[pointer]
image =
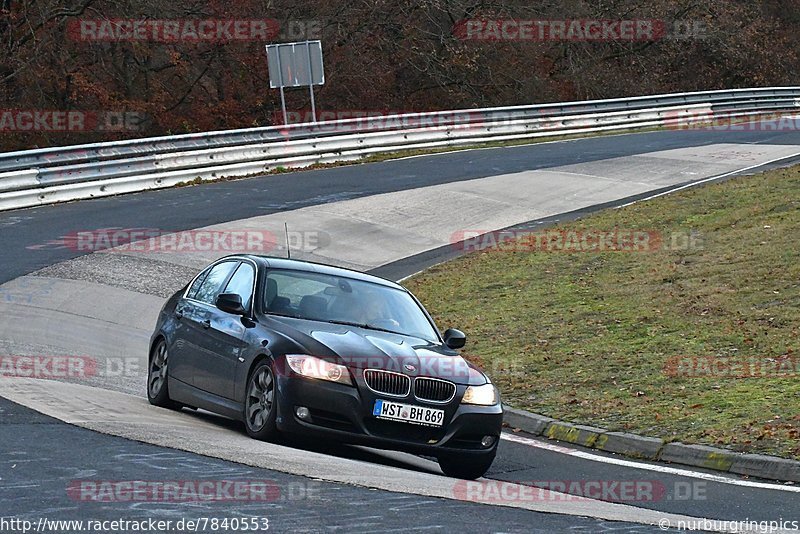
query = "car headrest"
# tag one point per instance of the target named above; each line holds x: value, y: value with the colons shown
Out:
x: 272, y: 291
x: 346, y: 307
x: 313, y: 307
x: 279, y: 305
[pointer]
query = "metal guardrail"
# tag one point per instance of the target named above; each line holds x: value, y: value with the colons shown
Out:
x: 43, y: 176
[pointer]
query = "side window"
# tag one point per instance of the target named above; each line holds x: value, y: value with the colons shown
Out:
x: 242, y: 284
x: 192, y: 293
x: 212, y: 284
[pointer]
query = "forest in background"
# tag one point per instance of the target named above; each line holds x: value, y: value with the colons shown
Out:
x: 398, y: 55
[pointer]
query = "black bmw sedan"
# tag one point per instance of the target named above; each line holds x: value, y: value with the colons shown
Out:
x: 292, y: 346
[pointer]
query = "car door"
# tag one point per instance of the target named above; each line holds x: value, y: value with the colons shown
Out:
x: 193, y: 313
x: 222, y: 342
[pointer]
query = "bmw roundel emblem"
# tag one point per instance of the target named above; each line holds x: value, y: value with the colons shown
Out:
x: 409, y: 368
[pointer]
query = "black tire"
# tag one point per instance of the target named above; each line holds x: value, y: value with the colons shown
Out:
x: 261, y: 403
x: 157, y: 377
x: 467, y: 466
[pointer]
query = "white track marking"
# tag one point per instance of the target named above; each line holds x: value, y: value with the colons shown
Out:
x: 711, y: 179
x: 649, y: 467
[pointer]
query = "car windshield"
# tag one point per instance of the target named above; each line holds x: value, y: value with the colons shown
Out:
x: 342, y: 300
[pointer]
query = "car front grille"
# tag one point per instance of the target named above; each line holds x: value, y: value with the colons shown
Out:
x: 387, y: 382
x: 434, y: 390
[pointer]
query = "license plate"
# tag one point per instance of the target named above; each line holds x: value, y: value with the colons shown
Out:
x: 418, y: 415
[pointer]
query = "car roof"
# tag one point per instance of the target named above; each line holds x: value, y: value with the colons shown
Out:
x: 272, y: 262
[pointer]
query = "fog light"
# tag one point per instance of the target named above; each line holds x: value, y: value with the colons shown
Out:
x: 303, y: 413
x: 487, y: 441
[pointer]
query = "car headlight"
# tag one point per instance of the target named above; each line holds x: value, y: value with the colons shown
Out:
x: 485, y: 395
x: 312, y: 367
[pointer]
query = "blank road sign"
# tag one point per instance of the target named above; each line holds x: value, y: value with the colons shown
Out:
x: 295, y: 64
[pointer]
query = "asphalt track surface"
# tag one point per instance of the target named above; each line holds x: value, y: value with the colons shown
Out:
x: 34, y: 488
x: 45, y: 453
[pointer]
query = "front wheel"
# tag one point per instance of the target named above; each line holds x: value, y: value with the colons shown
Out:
x: 157, y: 376
x: 260, y: 406
x: 467, y: 466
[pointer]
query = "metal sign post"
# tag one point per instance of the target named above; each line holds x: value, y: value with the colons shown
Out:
x: 311, y: 86
x: 296, y: 65
x: 283, y: 97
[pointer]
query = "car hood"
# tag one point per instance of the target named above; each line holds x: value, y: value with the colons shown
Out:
x: 360, y: 348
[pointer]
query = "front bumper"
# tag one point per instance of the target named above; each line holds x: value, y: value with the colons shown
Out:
x: 344, y: 413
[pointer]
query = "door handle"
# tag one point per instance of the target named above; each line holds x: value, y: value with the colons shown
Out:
x: 206, y: 324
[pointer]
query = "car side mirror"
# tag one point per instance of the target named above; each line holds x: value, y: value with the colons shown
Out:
x: 455, y: 339
x: 231, y: 303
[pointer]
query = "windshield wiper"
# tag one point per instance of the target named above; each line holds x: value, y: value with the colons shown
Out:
x: 285, y: 315
x: 366, y: 326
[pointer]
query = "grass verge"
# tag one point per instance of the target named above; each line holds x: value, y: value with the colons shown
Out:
x: 688, y: 343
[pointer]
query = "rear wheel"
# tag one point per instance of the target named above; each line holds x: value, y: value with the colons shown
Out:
x: 261, y: 407
x: 157, y: 375
x: 466, y: 466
